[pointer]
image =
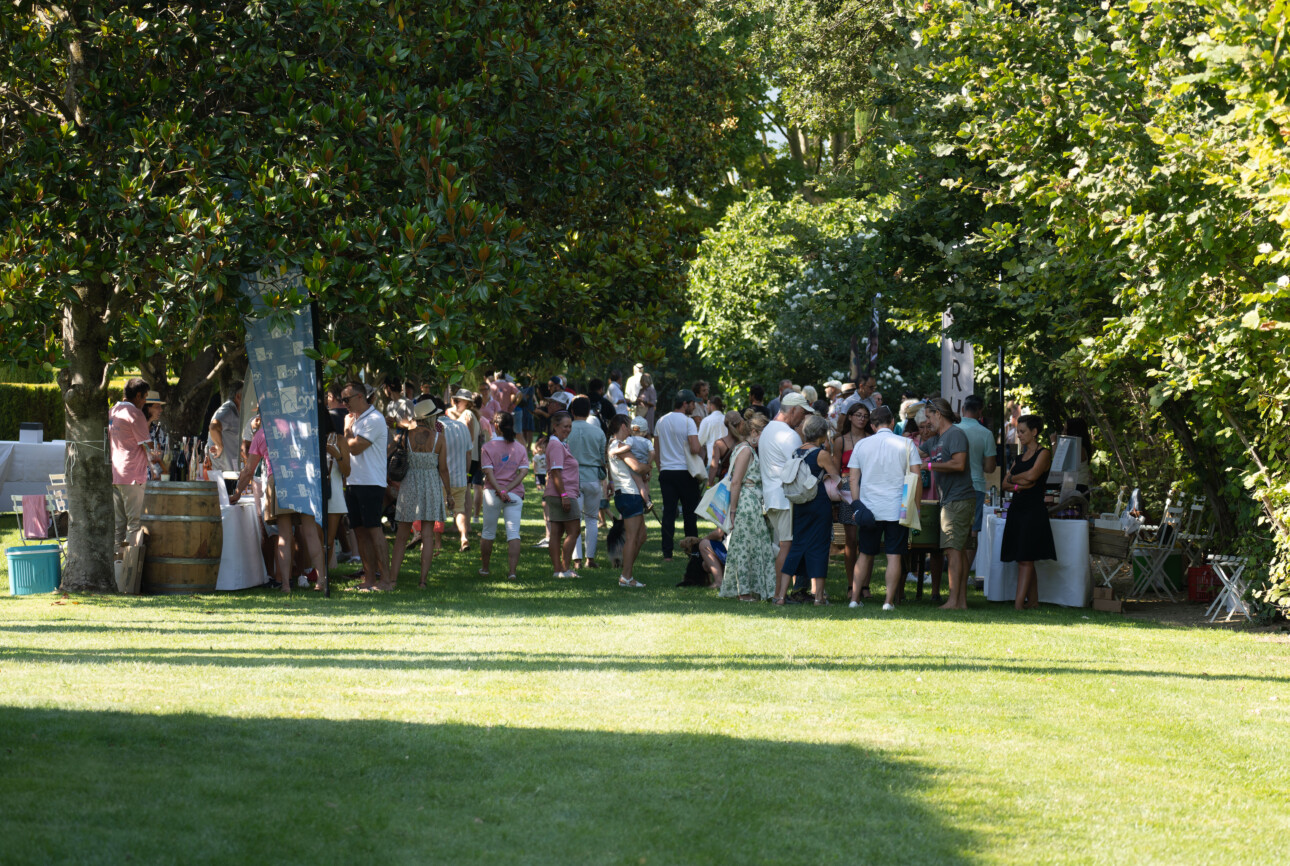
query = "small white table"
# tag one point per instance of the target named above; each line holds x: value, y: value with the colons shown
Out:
x: 25, y: 467
x: 241, y: 563
x: 1066, y: 581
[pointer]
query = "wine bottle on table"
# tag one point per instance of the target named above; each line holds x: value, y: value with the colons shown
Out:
x: 179, y: 466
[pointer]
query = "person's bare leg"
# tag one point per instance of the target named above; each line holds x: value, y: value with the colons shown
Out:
x: 781, y: 585
x: 570, y: 541
x: 1027, y: 586
x: 512, y: 555
x: 958, y: 593
x: 367, y: 556
x: 861, y: 574
x: 311, y: 547
x: 427, y: 559
x: 817, y: 590
x: 400, y: 550
x: 479, y: 502
x: 381, y: 554
x: 895, y: 579
x: 485, y: 552
x: 329, y: 543
x: 463, y: 522
x: 555, y: 532
x: 282, y: 555
x: 633, y: 540
x: 780, y: 557
x: 710, y: 562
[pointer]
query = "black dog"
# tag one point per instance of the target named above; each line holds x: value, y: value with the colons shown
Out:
x: 616, y: 541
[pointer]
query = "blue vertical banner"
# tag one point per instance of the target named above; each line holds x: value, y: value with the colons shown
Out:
x: 287, y: 386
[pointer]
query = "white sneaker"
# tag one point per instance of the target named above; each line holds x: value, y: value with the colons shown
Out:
x: 886, y: 606
x: 911, y: 578
x: 546, y: 542
x: 856, y: 604
x: 927, y: 581
x: 301, y: 580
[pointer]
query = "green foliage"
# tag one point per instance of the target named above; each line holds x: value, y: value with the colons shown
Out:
x: 39, y: 403
x: 780, y: 287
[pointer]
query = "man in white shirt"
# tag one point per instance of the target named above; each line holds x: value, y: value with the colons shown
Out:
x: 713, y: 426
x: 778, y: 442
x: 616, y: 394
x: 366, y: 434
x: 632, y: 390
x: 674, y: 438
x: 878, y: 465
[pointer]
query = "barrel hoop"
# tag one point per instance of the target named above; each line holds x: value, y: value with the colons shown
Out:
x: 182, y: 560
x: 180, y: 518
x: 172, y: 492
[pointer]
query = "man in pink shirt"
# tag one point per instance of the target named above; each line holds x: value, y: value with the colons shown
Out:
x: 131, y: 449
x: 504, y: 392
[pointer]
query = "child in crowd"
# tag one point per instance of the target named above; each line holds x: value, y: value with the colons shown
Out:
x: 539, y: 472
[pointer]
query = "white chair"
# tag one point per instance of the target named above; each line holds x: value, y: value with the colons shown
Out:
x: 1155, y: 545
x: 1230, y: 571
x: 1198, y: 531
x: 22, y: 532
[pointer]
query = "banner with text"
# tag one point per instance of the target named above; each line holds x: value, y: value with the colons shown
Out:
x: 958, y: 370
x: 285, y: 381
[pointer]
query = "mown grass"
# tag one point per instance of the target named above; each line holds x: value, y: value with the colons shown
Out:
x: 574, y: 722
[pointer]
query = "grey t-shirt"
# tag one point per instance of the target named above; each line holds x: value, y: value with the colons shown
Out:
x: 230, y: 459
x: 953, y: 486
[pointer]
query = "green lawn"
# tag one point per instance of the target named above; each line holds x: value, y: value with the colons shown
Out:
x: 573, y: 722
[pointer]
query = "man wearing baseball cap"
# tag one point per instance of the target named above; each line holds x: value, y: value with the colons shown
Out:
x: 675, y: 437
x: 778, y: 442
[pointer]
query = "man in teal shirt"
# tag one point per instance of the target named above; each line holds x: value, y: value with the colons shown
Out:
x: 981, y: 451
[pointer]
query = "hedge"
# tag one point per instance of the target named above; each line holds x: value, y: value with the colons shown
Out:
x: 42, y: 403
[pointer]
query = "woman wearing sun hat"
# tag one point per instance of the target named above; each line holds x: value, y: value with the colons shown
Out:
x: 425, y: 490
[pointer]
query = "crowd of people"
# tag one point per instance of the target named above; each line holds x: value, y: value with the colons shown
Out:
x: 423, y: 466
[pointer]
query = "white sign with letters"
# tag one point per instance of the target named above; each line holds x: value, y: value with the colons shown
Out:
x: 958, y: 370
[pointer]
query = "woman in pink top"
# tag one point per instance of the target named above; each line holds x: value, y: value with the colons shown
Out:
x: 564, y: 515
x: 505, y: 463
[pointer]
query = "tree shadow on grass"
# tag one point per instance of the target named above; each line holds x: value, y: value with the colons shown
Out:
x: 527, y: 661
x: 107, y: 787
x: 596, y: 595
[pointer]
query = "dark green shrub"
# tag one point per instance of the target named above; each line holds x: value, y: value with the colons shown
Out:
x: 42, y: 403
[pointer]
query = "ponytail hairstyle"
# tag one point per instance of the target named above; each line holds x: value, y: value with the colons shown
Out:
x: 505, y: 423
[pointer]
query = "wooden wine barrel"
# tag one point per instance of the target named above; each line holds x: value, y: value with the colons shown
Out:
x: 185, y: 538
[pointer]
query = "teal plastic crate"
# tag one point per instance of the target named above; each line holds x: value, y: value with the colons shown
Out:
x: 34, y: 568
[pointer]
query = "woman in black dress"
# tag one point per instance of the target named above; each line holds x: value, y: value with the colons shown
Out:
x: 1026, y: 534
x: 812, y: 521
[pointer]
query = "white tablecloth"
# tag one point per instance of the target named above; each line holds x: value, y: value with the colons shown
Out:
x: 241, y: 565
x: 25, y: 468
x: 1065, y: 581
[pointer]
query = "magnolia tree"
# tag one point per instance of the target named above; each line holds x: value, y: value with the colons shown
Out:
x: 443, y: 174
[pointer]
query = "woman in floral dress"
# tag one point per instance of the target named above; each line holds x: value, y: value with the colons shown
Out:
x: 750, y: 555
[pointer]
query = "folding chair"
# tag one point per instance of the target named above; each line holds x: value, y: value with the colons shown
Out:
x: 1198, y: 532
x: 1154, y: 546
x: 1229, y: 570
x: 58, y: 507
x: 1108, y: 550
x: 22, y: 531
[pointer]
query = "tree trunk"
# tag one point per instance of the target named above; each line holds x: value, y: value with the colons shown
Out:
x: 1207, y: 463
x: 91, y: 520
